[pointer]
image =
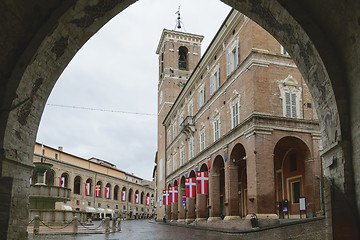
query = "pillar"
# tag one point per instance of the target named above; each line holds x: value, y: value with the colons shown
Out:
x: 181, y: 207
x: 190, y: 209
x: 174, y: 211
x: 231, y: 191
x: 214, y: 196
x: 168, y: 212
x: 201, y: 207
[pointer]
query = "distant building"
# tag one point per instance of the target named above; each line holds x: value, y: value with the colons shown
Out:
x: 242, y: 113
x: 97, y: 187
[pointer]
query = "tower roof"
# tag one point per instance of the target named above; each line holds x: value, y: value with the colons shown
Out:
x: 178, y: 36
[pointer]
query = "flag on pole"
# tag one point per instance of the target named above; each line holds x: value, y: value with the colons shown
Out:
x: 136, y: 198
x: 173, y: 191
x: 166, y: 197
x: 202, y: 182
x: 123, y: 194
x: 62, y: 181
x: 107, y: 192
x: 97, y: 191
x: 87, y: 189
x: 190, y: 187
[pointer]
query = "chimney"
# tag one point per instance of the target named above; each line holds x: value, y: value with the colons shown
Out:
x: 60, y: 149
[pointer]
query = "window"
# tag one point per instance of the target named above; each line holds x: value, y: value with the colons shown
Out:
x: 160, y: 169
x: 295, y: 186
x: 290, y: 96
x: 201, y: 97
x: 190, y: 108
x: 174, y: 130
x: 235, y: 114
x: 191, y: 148
x: 56, y: 156
x: 290, y: 105
x: 160, y: 97
x: 183, y: 58
x: 181, y: 119
x: 182, y: 156
x: 283, y: 51
x: 174, y: 162
x: 168, y: 170
x: 232, y: 58
x: 214, y: 81
x: 202, y: 139
x: 216, y: 129
x: 169, y: 136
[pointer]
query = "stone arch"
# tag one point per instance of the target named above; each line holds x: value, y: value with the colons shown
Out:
x: 77, y: 185
x: 50, y: 177
x: 238, y: 159
x: 175, y: 182
x: 192, y: 174
x: 295, y: 171
x: 217, y: 188
x: 204, y: 167
x: 116, y: 192
x: 315, y: 42
x: 130, y: 195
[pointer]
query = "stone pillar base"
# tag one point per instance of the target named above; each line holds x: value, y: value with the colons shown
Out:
x: 181, y: 220
x: 231, y: 218
x: 200, y: 219
x: 189, y: 220
x: 259, y: 215
x: 214, y: 218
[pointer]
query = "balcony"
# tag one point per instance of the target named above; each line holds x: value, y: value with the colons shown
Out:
x: 187, y: 126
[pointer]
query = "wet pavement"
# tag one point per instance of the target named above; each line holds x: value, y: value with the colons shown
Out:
x: 145, y: 230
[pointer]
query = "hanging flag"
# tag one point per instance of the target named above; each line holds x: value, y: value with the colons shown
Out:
x: 152, y: 202
x: 78, y: 202
x: 136, y: 198
x: 190, y: 187
x: 209, y: 164
x: 62, y: 181
x: 97, y: 190
x: 107, y: 192
x: 166, y: 196
x: 87, y: 189
x: 173, y: 191
x: 123, y: 194
x: 147, y: 200
x: 202, y: 182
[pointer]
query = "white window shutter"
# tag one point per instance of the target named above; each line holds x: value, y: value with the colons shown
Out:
x: 287, y: 105
x: 217, y: 79
x: 237, y: 53
x: 293, y: 105
x: 228, y: 64
x: 198, y: 101
x: 211, y: 84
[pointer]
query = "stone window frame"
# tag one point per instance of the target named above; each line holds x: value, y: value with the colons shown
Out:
x: 191, y: 107
x: 289, y: 87
x: 182, y: 154
x: 180, y: 120
x: 235, y: 117
x: 168, y: 166
x: 232, y: 57
x: 174, y: 129
x: 215, y: 79
x: 202, y: 137
x: 216, y: 121
x: 201, y: 96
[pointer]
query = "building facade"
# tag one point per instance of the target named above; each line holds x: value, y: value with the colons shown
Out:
x: 244, y: 115
x: 97, y: 187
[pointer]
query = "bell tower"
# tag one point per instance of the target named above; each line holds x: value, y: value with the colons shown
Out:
x: 179, y: 53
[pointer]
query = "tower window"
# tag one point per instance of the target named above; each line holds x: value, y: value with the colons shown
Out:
x: 183, y: 58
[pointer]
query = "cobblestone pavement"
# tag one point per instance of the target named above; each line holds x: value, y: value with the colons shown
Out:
x: 145, y: 230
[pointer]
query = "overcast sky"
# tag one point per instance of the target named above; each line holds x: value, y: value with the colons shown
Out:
x: 117, y: 69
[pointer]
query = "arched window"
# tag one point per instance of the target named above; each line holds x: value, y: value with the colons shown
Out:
x: 116, y: 192
x: 65, y: 178
x: 77, y: 185
x: 183, y: 58
x: 49, y: 179
x: 130, y: 195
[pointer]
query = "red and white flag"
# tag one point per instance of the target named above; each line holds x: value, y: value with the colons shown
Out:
x: 87, y: 189
x: 152, y: 202
x: 62, y: 181
x: 123, y: 194
x: 147, y: 200
x: 136, y: 198
x: 173, y: 191
x: 166, y: 197
x: 97, y: 191
x: 190, y: 187
x: 107, y: 192
x: 202, y: 182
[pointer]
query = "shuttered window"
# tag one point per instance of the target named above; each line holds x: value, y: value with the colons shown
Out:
x: 290, y: 105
